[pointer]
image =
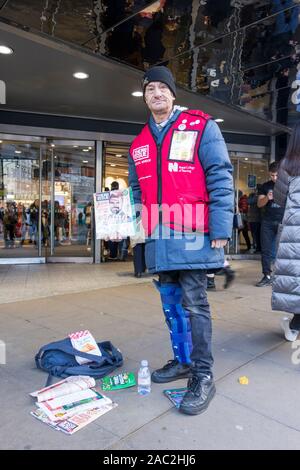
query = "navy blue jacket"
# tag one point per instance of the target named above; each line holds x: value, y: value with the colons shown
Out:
x: 193, y: 251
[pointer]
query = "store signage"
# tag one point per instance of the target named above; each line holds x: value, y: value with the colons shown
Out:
x: 251, y: 181
x: 2, y: 92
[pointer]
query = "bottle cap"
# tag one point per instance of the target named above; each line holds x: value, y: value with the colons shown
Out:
x: 144, y: 363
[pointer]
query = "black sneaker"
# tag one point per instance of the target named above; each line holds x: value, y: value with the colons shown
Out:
x: 265, y: 281
x: 211, y: 283
x: 201, y: 390
x: 173, y: 370
x: 229, y: 276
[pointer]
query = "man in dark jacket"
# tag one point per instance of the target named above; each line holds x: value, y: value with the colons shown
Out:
x: 271, y: 217
x: 180, y: 171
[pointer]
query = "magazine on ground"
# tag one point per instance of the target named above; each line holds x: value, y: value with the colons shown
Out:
x: 175, y: 395
x: 71, y: 404
x: 76, y: 422
x: 66, y: 411
x: 64, y: 387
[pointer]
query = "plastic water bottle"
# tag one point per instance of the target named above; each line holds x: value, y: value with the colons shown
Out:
x: 144, y: 379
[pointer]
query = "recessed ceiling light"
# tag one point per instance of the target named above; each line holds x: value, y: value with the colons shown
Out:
x: 18, y: 151
x: 118, y: 155
x: 6, y: 50
x: 81, y: 75
x: 52, y: 145
x: 219, y: 120
x: 85, y: 161
x: 85, y: 150
x: 1, y: 141
x: 55, y: 156
x: 113, y: 164
x: 90, y: 148
x: 246, y: 158
x: 137, y: 94
x: 75, y: 146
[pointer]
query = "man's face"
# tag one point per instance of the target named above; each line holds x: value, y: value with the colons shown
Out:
x: 159, y: 98
x: 115, y: 204
x: 273, y: 176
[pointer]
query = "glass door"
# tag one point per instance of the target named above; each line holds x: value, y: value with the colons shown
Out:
x: 19, y: 200
x: 249, y: 171
x: 68, y: 169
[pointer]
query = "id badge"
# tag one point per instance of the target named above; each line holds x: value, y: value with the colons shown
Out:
x: 183, y: 146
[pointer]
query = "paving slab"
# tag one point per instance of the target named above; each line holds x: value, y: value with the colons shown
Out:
x: 115, y: 306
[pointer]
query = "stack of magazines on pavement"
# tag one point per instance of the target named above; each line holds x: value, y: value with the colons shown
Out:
x: 71, y: 404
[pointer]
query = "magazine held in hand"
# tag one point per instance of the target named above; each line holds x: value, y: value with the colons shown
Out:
x: 114, y: 214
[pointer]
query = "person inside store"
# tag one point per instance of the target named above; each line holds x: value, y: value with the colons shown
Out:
x: 243, y: 208
x: 286, y: 292
x: 9, y: 224
x: 180, y: 160
x: 271, y: 217
x: 118, y: 250
x: 34, y: 220
x: 254, y: 217
x: 88, y: 221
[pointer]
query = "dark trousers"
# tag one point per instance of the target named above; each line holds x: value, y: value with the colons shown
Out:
x: 255, y: 232
x: 194, y: 301
x: 244, y: 231
x: 139, y: 258
x: 268, y: 233
x: 295, y: 323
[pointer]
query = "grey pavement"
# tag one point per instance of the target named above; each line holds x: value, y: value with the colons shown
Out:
x: 43, y: 303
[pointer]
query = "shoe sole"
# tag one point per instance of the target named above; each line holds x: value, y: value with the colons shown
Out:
x: 193, y: 411
x: 171, y: 379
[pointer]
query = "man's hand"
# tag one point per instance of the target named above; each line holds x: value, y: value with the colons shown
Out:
x: 218, y: 243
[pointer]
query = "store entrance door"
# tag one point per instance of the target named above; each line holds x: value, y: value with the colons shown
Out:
x: 68, y: 182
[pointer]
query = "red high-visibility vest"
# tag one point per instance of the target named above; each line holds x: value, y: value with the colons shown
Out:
x: 171, y: 177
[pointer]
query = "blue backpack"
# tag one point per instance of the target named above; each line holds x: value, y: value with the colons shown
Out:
x: 58, y: 359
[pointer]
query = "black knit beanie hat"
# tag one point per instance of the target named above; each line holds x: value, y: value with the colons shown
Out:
x: 159, y: 73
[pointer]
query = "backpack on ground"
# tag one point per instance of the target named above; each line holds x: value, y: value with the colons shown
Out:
x: 58, y: 359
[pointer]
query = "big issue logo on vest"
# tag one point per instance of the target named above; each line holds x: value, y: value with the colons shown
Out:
x: 171, y: 177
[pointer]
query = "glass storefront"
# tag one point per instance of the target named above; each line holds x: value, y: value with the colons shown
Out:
x: 46, y: 194
x: 46, y: 197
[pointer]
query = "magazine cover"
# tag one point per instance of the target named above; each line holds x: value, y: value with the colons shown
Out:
x: 66, y: 386
x: 114, y: 214
x: 76, y: 422
x: 175, y: 395
x: 66, y: 411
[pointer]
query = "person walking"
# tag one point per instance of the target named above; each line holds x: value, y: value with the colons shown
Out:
x: 180, y: 173
x: 286, y: 282
x: 271, y: 217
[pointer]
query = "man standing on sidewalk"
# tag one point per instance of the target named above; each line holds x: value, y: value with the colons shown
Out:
x: 271, y: 217
x: 179, y: 164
